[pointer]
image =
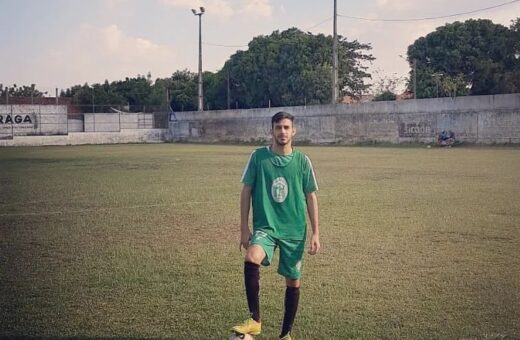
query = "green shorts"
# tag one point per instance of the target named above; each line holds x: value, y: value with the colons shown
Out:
x: 291, y: 253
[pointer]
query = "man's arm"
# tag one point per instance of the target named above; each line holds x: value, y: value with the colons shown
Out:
x: 312, y: 210
x: 245, y: 205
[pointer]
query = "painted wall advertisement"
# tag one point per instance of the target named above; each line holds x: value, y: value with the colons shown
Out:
x: 18, y: 124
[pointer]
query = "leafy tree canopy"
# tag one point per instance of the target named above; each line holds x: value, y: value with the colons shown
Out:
x: 293, y: 68
x: 21, y: 91
x: 474, y: 57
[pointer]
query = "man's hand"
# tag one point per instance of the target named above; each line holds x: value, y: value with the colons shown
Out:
x: 314, y: 244
x: 245, y: 237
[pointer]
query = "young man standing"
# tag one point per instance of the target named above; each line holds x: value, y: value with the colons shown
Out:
x: 281, y: 184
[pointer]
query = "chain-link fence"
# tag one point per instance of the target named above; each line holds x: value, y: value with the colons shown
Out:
x: 104, y: 108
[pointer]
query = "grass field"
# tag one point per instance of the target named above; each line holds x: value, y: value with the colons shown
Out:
x: 141, y: 241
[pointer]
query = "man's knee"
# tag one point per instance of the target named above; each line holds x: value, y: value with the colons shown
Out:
x: 255, y: 254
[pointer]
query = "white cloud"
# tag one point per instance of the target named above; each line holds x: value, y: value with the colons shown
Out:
x: 224, y: 9
x: 99, y: 53
x: 112, y: 5
x: 257, y: 8
x: 283, y: 11
x: 182, y: 3
x: 397, y: 5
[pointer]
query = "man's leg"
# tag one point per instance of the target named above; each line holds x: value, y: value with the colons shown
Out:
x: 292, y: 298
x: 291, y: 258
x: 254, y: 256
x: 260, y: 251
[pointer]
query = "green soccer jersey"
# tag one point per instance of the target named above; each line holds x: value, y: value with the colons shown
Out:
x: 279, y: 184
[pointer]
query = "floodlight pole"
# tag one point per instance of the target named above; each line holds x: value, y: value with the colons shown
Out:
x: 201, y: 98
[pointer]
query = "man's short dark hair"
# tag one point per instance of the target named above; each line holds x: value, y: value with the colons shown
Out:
x: 281, y: 115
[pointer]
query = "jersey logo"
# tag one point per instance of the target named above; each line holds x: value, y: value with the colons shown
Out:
x: 279, y: 190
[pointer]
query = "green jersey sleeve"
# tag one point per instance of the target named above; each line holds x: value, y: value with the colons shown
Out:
x: 249, y: 174
x: 309, y: 177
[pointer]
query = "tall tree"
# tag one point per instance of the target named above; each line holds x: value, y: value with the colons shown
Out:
x: 473, y: 57
x: 292, y: 68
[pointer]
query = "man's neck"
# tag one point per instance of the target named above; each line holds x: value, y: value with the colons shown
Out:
x: 283, y: 150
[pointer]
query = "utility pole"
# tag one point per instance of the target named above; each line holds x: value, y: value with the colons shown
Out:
x: 201, y: 98
x: 415, y: 79
x: 228, y: 95
x: 335, y: 56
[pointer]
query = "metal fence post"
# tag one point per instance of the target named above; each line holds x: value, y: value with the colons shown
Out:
x: 12, y: 125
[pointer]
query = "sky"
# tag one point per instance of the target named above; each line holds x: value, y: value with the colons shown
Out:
x: 62, y: 43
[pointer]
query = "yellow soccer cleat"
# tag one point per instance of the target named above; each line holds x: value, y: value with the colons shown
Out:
x: 287, y: 337
x: 250, y: 326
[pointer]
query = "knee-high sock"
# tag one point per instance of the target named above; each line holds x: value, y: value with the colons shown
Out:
x: 292, y: 297
x: 252, y: 282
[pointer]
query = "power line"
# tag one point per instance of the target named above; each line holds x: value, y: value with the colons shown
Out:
x: 431, y: 18
x: 387, y: 20
x: 234, y: 46
x: 318, y: 24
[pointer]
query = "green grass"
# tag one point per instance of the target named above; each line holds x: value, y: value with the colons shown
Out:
x: 142, y: 241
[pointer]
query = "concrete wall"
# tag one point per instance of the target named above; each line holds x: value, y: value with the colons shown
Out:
x: 80, y: 138
x: 474, y: 119
x: 111, y: 122
x: 76, y: 125
x: 37, y: 125
x: 26, y: 120
x: 29, y: 120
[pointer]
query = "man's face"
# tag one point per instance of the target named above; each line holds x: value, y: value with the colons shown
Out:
x: 283, y: 132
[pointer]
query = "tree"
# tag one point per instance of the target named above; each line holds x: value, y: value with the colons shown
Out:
x: 385, y: 87
x: 215, y: 90
x: 292, y: 68
x: 473, y: 57
x: 184, y: 91
x: 21, y: 91
x: 137, y: 92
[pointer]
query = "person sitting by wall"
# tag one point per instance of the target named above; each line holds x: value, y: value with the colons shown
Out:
x: 446, y: 138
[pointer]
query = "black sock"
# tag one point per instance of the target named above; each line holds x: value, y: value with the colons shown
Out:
x: 292, y: 297
x: 252, y: 282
